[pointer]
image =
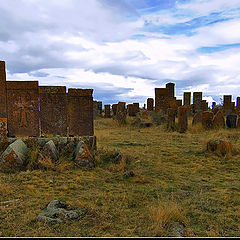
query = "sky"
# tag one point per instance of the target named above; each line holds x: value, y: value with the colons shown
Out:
x: 123, y: 49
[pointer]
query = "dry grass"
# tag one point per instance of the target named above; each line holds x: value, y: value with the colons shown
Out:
x: 176, y: 182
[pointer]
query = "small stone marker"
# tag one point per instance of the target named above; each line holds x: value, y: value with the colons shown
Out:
x: 220, y: 147
x: 114, y: 109
x: 182, y: 119
x: 50, y: 151
x: 171, y: 118
x: 131, y: 110
x: 121, y: 113
x: 150, y: 103
x: 207, y: 119
x: 83, y: 159
x: 14, y: 157
x: 107, y: 113
x: 231, y: 121
x: 219, y: 120
x: 197, y: 118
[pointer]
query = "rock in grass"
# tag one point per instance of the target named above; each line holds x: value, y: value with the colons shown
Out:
x: 231, y: 121
x: 220, y: 147
x: 83, y: 157
x: 14, y: 157
x: 56, y: 212
x: 128, y: 174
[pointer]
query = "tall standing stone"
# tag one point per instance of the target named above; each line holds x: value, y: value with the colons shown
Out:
x: 207, y: 119
x: 179, y: 103
x: 197, y: 118
x: 3, y: 92
x: 162, y: 96
x: 114, y: 109
x: 150, y: 103
x: 197, y: 101
x: 171, y: 113
x: 187, y: 98
x: 136, y: 107
x: 95, y: 109
x: 23, y: 108
x: 99, y: 107
x: 219, y: 120
x: 182, y: 119
x: 53, y: 110
x: 3, y: 129
x: 131, y: 110
x: 107, y: 111
x: 238, y: 105
x: 227, y: 104
x: 204, y: 105
x: 171, y: 87
x: 121, y: 112
x: 80, y: 112
x: 231, y: 121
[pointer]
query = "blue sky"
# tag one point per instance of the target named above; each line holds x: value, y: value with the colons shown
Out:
x: 124, y: 48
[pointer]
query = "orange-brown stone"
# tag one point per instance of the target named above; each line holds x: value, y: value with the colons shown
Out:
x: 207, y: 119
x: 182, y: 119
x: 3, y: 92
x: 219, y: 120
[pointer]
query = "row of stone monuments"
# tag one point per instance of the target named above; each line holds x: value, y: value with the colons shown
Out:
x: 30, y: 110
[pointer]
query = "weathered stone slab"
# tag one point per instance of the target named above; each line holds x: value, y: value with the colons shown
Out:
x: 150, y: 103
x: 95, y: 109
x: 121, y: 112
x: 179, y: 103
x: 3, y: 129
x: 80, y: 112
x: 231, y: 121
x: 83, y: 159
x: 162, y: 96
x: 136, y: 108
x: 204, y: 105
x: 197, y: 118
x: 227, y: 104
x: 220, y: 147
x: 197, y: 101
x: 14, y: 157
x: 53, y: 110
x: 114, y: 109
x: 99, y: 107
x: 187, y: 98
x: 171, y: 87
x: 3, y: 92
x: 238, y: 105
x: 219, y: 120
x: 207, y: 120
x: 215, y: 110
x: 23, y: 108
x: 182, y: 119
x: 107, y: 111
x: 238, y: 122
x: 50, y: 151
x: 131, y: 110
x: 171, y: 118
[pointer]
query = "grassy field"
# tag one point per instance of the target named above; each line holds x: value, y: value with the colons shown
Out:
x: 176, y: 182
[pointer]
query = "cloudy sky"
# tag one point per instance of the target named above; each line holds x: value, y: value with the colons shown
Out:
x: 123, y: 49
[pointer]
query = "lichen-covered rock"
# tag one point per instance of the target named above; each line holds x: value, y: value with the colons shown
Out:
x: 219, y: 120
x: 207, y: 119
x: 14, y: 157
x: 182, y: 119
x: 56, y: 212
x: 220, y: 147
x: 197, y: 118
x: 231, y: 121
x: 83, y: 157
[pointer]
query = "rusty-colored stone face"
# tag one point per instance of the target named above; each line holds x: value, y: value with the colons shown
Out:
x: 114, y: 109
x: 53, y: 110
x: 95, y: 109
x: 121, y: 112
x: 219, y: 120
x: 107, y: 111
x: 171, y: 87
x: 204, y: 106
x: 136, y: 107
x: 187, y: 98
x: 3, y: 129
x: 182, y: 119
x: 197, y: 101
x: 227, y: 104
x: 23, y: 108
x: 179, y: 103
x: 150, y: 103
x: 80, y: 112
x: 99, y: 107
x: 207, y: 119
x: 3, y: 92
x: 197, y: 118
x: 171, y: 113
x: 131, y: 110
x: 162, y: 96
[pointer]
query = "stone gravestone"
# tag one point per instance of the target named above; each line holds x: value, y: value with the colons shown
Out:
x: 238, y: 122
x: 197, y: 118
x: 182, y: 119
x: 80, y: 112
x: 187, y: 98
x: 99, y: 107
x: 227, y: 104
x: 121, y: 113
x: 23, y: 108
x: 114, y: 109
x: 171, y: 87
x: 231, y: 121
x: 197, y: 101
x: 179, y: 103
x: 171, y: 118
x: 107, y: 112
x: 162, y: 96
x: 3, y: 102
x: 204, y: 105
x: 53, y: 110
x: 219, y: 120
x: 131, y: 110
x: 150, y: 103
x: 136, y: 108
x: 207, y: 119
x: 95, y: 109
x: 238, y: 105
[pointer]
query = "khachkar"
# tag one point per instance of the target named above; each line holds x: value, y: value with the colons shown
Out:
x: 150, y: 103
x: 80, y: 112
x: 187, y: 98
x: 23, y: 108
x: 228, y: 105
x: 53, y: 110
x: 171, y: 87
x: 3, y: 102
x: 197, y: 101
x: 162, y: 96
x: 107, y: 111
